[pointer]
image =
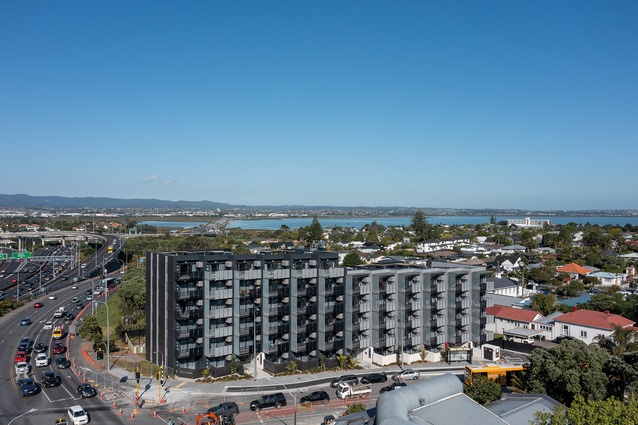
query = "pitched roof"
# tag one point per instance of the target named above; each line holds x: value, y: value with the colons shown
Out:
x: 511, y: 313
x: 573, y: 268
x: 595, y: 319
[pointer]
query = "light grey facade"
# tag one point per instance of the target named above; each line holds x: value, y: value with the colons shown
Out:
x: 206, y: 310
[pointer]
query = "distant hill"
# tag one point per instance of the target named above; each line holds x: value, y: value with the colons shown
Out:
x: 28, y: 201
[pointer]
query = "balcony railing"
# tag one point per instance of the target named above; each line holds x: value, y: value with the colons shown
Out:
x: 188, y: 294
x: 194, y: 275
x: 189, y: 353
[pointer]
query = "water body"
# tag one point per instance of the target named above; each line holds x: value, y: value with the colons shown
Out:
x: 172, y: 224
x: 295, y: 223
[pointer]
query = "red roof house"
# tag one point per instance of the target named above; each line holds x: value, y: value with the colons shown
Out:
x: 586, y: 325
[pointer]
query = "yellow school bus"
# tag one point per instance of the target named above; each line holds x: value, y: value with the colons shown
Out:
x: 502, y: 374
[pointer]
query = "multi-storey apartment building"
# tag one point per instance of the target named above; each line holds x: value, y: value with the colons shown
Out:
x: 206, y: 310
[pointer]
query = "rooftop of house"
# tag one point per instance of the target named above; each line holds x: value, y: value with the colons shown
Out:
x: 511, y: 313
x: 595, y: 319
x: 573, y: 268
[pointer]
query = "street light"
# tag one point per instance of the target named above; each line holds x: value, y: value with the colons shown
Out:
x: 108, y: 334
x: 294, y: 421
x: 92, y: 292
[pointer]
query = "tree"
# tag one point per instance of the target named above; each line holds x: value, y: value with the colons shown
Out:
x: 599, y: 412
x: 419, y: 223
x: 342, y: 359
x: 355, y: 408
x: 91, y: 330
x: 544, y: 304
x: 352, y: 259
x: 292, y: 367
x: 315, y: 231
x: 483, y: 390
x: 423, y: 353
x: 622, y: 340
x: 353, y: 362
x: 623, y: 375
x: 132, y: 293
x: 567, y: 370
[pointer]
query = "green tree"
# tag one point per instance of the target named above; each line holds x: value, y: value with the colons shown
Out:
x: 132, y: 292
x: 91, y: 330
x: 342, y: 359
x: 599, y: 412
x: 315, y: 231
x: 352, y: 259
x: 544, y: 304
x: 483, y: 390
x: 355, y: 408
x: 353, y: 362
x: 292, y: 367
x: 419, y: 223
x: 621, y: 341
x: 567, y: 370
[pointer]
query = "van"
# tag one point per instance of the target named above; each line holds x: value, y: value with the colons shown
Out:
x: 77, y: 415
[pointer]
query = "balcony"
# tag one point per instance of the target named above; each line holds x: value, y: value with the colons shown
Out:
x: 194, y: 313
x: 188, y: 294
x: 190, y: 276
x: 189, y: 353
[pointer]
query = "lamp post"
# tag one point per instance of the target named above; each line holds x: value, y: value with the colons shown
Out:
x: 294, y: 420
x: 121, y: 261
x: 255, y: 313
x: 108, y: 333
x: 92, y: 292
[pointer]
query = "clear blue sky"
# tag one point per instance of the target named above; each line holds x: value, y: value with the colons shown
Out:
x: 473, y: 104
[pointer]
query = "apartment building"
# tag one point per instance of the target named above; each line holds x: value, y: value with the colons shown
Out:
x: 208, y: 309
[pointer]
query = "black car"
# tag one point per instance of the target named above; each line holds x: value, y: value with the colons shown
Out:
x: 271, y: 400
x: 24, y: 347
x: 50, y: 379
x: 69, y: 316
x: 62, y: 362
x: 393, y: 386
x: 315, y: 397
x: 345, y: 379
x: 29, y: 387
x: 86, y: 391
x: 40, y: 347
x: 226, y: 409
x: 374, y: 378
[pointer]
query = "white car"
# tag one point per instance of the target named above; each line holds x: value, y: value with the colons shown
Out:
x: 41, y: 360
x: 52, y: 297
x: 22, y: 368
x: 48, y: 325
x: 77, y: 415
x: 74, y: 287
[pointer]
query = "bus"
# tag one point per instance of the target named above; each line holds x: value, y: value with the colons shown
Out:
x: 502, y: 374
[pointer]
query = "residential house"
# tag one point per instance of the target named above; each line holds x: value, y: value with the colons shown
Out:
x: 506, y: 318
x: 507, y: 263
x: 575, y: 271
x: 512, y: 249
x: 508, y: 287
x: 423, y: 247
x: 586, y: 325
x: 609, y: 279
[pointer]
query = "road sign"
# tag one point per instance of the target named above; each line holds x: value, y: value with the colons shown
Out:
x: 22, y: 254
x: 83, y: 265
x: 4, y: 256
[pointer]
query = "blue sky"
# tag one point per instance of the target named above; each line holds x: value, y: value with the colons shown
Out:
x: 491, y: 104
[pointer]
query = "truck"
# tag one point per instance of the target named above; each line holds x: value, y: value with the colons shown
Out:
x: 59, y: 312
x: 347, y: 391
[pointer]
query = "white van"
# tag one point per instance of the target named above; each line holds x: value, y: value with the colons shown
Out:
x: 77, y: 415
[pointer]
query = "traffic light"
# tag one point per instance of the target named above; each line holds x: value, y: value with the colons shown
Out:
x: 137, y: 375
x: 100, y: 354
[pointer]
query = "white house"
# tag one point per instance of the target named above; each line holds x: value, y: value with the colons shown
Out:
x: 439, y: 244
x: 506, y: 318
x: 609, y: 279
x: 586, y: 325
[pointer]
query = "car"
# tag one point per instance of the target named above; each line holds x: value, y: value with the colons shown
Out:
x: 315, y: 397
x: 48, y: 325
x: 50, y: 379
x: 39, y: 347
x: 406, y: 374
x: 29, y: 387
x: 344, y: 379
x: 25, y: 322
x: 77, y: 415
x: 270, y: 400
x: 24, y: 346
x: 74, y: 287
x: 22, y: 368
x: 86, y: 391
x: 374, y: 378
x: 53, y: 297
x: 38, y: 305
x: 89, y: 292
x: 327, y: 420
x: 62, y: 363
x: 41, y: 360
x: 69, y: 316
x: 21, y: 356
x: 59, y: 348
x: 75, y: 299
x: 226, y: 409
x: 89, y: 297
x: 79, y: 306
x: 393, y: 386
x: 64, y: 277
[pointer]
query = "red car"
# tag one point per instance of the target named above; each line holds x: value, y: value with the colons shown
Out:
x: 59, y: 348
x: 38, y: 305
x: 21, y: 356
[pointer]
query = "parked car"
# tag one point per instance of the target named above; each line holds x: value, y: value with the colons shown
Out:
x: 374, y: 378
x: 86, y: 390
x: 29, y: 387
x: 315, y: 397
x: 41, y: 360
x: 393, y: 386
x: 226, y: 409
x: 271, y: 400
x: 39, y: 347
x: 50, y: 379
x: 62, y: 362
x: 345, y: 379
